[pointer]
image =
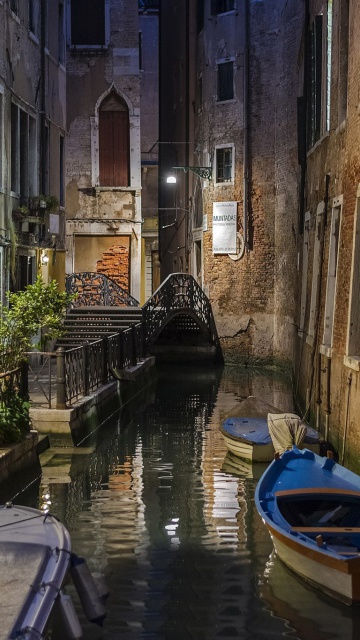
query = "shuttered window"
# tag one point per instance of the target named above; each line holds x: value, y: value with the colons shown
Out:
x: 114, y: 144
x: 225, y: 88
x: 88, y: 23
x: 222, y: 6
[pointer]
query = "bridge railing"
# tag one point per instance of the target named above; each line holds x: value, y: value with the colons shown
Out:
x: 58, y: 379
x: 179, y: 291
x: 95, y: 289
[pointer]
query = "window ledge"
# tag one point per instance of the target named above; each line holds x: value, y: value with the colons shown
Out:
x: 98, y: 189
x: 33, y: 37
x: 352, y: 362
x: 318, y: 143
x: 227, y: 101
x: 325, y: 350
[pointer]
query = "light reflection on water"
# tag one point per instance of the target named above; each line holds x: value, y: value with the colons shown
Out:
x: 159, y: 506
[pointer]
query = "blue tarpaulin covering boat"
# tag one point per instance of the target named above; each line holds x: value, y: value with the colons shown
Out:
x: 311, y: 507
x: 249, y: 438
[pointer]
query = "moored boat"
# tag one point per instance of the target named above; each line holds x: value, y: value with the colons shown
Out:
x: 311, y: 508
x: 35, y: 560
x: 250, y: 438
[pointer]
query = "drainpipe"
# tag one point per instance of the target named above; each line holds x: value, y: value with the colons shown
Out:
x: 349, y: 380
x: 43, y: 99
x: 328, y: 405
x: 318, y: 399
x: 246, y: 120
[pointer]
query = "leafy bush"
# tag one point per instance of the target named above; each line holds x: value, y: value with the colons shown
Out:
x: 39, y: 308
x: 14, y: 415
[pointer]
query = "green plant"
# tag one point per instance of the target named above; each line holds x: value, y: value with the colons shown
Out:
x: 50, y: 203
x: 39, y: 308
x: 14, y: 414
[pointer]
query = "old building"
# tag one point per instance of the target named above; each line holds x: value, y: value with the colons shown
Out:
x: 328, y: 342
x: 229, y: 82
x: 32, y: 141
x: 149, y: 109
x: 103, y: 160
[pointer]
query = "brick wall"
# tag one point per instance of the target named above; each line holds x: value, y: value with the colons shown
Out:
x: 115, y: 265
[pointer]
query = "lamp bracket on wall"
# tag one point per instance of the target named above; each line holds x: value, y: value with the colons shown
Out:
x: 202, y: 172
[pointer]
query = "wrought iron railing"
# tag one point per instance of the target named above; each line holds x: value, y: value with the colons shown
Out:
x: 96, y: 289
x: 178, y: 293
x: 60, y: 378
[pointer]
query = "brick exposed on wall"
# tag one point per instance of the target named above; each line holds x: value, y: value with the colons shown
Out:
x: 115, y: 265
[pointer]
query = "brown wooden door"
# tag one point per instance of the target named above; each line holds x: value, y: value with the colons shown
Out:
x: 114, y: 148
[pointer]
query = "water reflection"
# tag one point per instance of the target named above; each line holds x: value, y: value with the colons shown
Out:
x: 159, y: 506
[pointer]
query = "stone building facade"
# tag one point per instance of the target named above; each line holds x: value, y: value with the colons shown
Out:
x: 32, y: 141
x: 103, y: 167
x: 328, y: 342
x: 229, y: 81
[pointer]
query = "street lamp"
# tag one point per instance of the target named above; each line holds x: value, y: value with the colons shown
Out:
x: 202, y: 172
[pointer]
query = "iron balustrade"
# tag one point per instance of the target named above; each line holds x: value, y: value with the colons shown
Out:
x: 95, y: 289
x: 178, y: 293
x: 62, y: 377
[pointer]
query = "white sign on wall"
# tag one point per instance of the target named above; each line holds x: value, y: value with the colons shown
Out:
x: 224, y: 227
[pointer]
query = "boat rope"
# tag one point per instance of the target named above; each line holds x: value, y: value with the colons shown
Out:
x: 43, y: 585
x: 16, y: 524
x: 24, y: 489
x: 22, y: 633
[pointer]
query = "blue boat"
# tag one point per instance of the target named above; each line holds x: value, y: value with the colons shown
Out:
x: 250, y: 439
x: 311, y: 508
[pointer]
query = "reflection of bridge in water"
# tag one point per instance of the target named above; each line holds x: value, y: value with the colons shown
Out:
x: 107, y: 333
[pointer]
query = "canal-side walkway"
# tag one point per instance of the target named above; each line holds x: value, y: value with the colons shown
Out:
x: 88, y: 410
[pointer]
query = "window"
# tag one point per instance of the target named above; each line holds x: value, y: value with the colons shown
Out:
x: 61, y: 160
x: 32, y: 22
x: 61, y: 33
x: 225, y: 81
x: 222, y: 6
x: 140, y: 50
x: 224, y: 164
x: 200, y: 94
x: 331, y: 275
x: 114, y: 159
x: 343, y: 59
x: 15, y: 186
x: 319, y: 79
x: 88, y: 23
x: 199, y: 15
x: 14, y: 5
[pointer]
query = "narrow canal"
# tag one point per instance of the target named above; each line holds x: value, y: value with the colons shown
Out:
x: 154, y: 502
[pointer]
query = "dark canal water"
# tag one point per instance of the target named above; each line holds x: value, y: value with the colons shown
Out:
x: 154, y: 502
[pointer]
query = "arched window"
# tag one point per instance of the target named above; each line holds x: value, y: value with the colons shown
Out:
x: 114, y: 142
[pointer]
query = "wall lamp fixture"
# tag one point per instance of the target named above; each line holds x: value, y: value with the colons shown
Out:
x: 44, y: 259
x: 202, y: 172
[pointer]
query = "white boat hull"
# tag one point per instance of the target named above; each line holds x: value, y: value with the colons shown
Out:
x: 318, y: 569
x: 257, y: 452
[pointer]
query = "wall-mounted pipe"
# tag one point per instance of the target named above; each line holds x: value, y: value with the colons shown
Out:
x: 328, y: 403
x: 245, y: 126
x: 349, y: 380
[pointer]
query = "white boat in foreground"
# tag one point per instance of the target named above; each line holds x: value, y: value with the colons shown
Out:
x: 35, y: 559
